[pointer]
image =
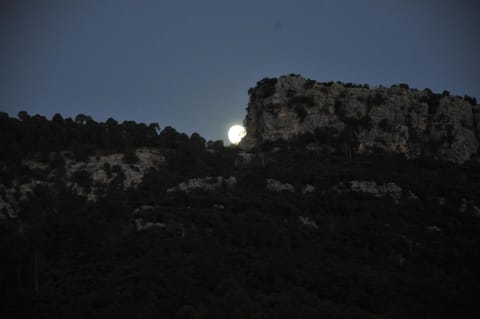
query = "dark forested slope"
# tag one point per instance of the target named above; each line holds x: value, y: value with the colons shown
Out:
x: 209, y: 231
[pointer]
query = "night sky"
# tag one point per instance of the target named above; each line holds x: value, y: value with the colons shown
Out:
x: 189, y: 64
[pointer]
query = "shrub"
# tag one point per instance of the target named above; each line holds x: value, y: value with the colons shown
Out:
x: 215, y: 145
x: 428, y: 91
x: 267, y: 87
x: 433, y: 101
x: 290, y: 93
x: 362, y: 122
x: 56, y: 161
x: 129, y: 157
x: 339, y: 107
x: 82, y: 178
x: 385, y: 125
x: 375, y: 99
x: 116, y: 169
x: 108, y: 170
x: 471, y: 100
x: 325, y: 134
x: 309, y: 84
x: 450, y: 138
x: 301, y: 113
x: 309, y: 101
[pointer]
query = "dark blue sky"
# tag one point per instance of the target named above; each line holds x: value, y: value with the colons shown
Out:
x: 189, y: 64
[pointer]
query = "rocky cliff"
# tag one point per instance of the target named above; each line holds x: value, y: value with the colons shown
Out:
x: 90, y: 178
x: 357, y: 119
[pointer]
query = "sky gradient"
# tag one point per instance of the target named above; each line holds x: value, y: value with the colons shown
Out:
x: 189, y: 64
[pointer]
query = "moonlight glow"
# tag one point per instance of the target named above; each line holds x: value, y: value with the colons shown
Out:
x: 236, y: 133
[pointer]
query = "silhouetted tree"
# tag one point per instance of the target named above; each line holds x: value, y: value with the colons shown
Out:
x: 23, y: 116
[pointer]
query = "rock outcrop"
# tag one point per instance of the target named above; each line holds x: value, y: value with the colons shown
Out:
x: 85, y: 178
x: 308, y: 222
x: 371, y: 187
x: 276, y: 186
x: 357, y: 119
x: 208, y: 184
x: 95, y: 166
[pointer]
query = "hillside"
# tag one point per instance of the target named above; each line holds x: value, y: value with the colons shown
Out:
x: 125, y: 220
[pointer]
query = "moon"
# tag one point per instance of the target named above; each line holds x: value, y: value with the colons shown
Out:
x: 236, y: 133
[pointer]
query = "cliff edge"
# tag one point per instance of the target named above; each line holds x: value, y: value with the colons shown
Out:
x: 357, y: 119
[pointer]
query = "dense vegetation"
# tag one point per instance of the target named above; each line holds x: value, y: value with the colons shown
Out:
x: 36, y: 135
x: 235, y: 253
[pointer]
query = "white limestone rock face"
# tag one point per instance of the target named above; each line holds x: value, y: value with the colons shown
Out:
x: 142, y: 225
x: 147, y: 158
x: 276, y: 186
x: 209, y: 184
x: 34, y: 165
x: 308, y: 222
x: 390, y: 189
x: 377, y: 190
x: 95, y: 168
x: 434, y: 228
x: 143, y: 209
x: 308, y: 189
x: 396, y: 119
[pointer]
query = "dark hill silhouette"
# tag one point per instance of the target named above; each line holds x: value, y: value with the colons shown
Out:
x: 209, y: 231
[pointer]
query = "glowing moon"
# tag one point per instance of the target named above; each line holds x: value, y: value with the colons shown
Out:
x: 236, y: 133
